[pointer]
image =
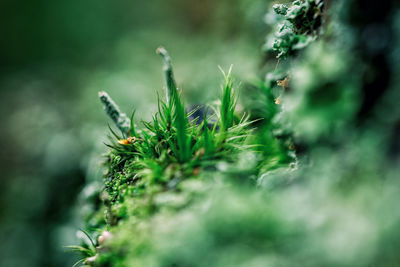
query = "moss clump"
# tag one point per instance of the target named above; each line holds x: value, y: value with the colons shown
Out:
x: 314, y: 185
x: 298, y: 25
x: 163, y: 166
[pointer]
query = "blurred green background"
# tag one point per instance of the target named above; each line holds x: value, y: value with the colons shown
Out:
x: 55, y: 56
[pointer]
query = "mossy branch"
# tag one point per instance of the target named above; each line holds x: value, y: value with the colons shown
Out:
x: 120, y: 119
x: 168, y: 72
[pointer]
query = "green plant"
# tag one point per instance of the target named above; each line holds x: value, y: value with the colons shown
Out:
x: 171, y: 148
x: 170, y: 138
x: 88, y: 249
x: 180, y: 192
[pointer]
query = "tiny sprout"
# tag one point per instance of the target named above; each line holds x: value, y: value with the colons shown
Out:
x: 105, y: 235
x: 90, y: 261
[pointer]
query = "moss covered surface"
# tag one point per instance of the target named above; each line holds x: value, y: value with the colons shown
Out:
x: 311, y: 180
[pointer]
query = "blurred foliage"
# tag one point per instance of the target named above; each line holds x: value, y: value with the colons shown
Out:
x: 326, y: 171
x: 320, y: 190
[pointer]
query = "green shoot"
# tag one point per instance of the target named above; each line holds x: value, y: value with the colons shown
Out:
x: 87, y: 250
x: 180, y: 123
x: 228, y: 102
x: 208, y: 142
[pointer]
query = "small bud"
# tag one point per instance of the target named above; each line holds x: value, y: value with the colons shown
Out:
x: 104, y: 237
x: 284, y: 83
x: 129, y: 140
x: 90, y: 261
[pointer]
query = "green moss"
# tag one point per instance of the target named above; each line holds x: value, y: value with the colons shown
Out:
x: 310, y: 186
x: 299, y: 25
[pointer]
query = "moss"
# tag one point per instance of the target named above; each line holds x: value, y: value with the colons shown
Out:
x: 184, y: 192
x: 300, y: 23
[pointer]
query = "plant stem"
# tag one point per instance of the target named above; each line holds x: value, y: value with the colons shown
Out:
x: 120, y: 119
x: 169, y: 74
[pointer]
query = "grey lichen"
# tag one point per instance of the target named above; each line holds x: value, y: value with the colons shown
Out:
x: 299, y: 24
x: 120, y: 119
x: 280, y: 9
x: 168, y: 72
